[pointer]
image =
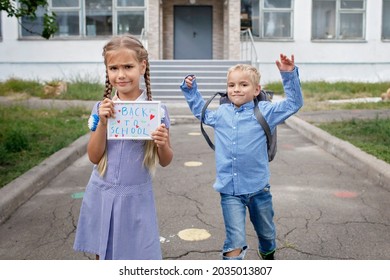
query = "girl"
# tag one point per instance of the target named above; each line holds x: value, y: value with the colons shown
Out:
x: 118, y: 216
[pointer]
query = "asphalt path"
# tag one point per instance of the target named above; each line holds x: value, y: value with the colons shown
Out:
x: 325, y: 209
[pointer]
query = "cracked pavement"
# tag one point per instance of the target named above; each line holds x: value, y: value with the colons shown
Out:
x: 324, y: 208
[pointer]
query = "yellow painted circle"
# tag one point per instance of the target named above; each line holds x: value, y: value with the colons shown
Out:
x: 193, y: 163
x: 194, y: 133
x: 194, y: 234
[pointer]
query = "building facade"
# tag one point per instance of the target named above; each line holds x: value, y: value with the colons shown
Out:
x: 331, y: 39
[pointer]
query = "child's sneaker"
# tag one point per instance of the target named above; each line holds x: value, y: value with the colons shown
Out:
x: 268, y: 256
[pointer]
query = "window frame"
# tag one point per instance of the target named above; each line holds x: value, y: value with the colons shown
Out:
x: 81, y: 10
x: 261, y: 22
x: 1, y: 27
x: 383, y: 38
x: 337, y: 22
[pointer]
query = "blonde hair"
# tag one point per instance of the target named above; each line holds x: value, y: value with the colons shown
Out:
x: 132, y: 43
x: 254, y: 74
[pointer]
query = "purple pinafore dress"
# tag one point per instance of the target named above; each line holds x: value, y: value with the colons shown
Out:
x: 118, y: 217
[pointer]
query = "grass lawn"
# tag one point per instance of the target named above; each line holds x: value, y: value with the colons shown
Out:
x: 371, y: 136
x: 28, y: 136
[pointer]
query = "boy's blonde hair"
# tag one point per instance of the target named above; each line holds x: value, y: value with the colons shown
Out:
x: 132, y: 43
x: 254, y: 74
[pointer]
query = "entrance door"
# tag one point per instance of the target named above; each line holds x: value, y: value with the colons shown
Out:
x: 193, y: 32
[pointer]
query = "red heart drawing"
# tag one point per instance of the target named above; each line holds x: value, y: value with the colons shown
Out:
x: 151, y: 116
x: 137, y: 126
x: 119, y: 111
x: 116, y: 135
x: 118, y: 121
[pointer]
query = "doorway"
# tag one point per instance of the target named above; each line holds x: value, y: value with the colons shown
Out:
x: 193, y: 32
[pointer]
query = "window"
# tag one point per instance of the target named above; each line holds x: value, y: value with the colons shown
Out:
x: 33, y: 27
x: 386, y: 20
x: 338, y: 19
x: 68, y: 17
x: 90, y: 18
x: 268, y: 19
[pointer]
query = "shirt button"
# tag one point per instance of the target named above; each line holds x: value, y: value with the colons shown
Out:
x: 235, y: 174
x: 234, y: 158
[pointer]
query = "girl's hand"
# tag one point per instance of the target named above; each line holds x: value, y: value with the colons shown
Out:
x: 106, y: 110
x: 285, y: 64
x: 160, y: 136
x: 188, y: 80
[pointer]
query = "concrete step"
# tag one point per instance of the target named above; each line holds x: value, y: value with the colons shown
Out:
x: 215, y: 86
x: 167, y: 75
x: 174, y: 79
x: 201, y: 62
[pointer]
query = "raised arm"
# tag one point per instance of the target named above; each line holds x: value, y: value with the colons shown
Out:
x: 285, y: 64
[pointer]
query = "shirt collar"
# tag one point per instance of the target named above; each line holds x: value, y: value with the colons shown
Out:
x: 142, y: 97
x: 246, y: 106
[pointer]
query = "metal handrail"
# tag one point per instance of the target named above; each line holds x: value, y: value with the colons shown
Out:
x: 143, y: 39
x: 248, y: 49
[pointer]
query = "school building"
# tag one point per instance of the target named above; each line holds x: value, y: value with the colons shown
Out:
x: 332, y: 40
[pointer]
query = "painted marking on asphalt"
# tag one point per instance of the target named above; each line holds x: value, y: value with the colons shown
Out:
x: 164, y: 240
x: 194, y: 133
x: 346, y: 194
x: 193, y: 163
x: 194, y: 234
x: 77, y: 195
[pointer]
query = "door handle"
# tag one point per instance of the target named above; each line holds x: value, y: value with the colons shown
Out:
x: 194, y: 34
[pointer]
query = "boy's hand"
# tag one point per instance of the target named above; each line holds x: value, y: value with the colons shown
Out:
x: 188, y: 80
x: 285, y: 64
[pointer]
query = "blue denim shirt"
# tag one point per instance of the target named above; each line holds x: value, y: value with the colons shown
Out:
x: 242, y: 165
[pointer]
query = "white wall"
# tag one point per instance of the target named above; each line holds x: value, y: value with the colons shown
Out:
x: 367, y: 61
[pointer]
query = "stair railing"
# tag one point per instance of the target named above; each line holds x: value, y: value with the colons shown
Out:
x: 143, y: 38
x: 248, y: 50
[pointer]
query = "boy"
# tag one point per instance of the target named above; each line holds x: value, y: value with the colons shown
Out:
x: 241, y: 152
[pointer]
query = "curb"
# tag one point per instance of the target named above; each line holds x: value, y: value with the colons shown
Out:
x: 18, y: 191
x: 372, y: 167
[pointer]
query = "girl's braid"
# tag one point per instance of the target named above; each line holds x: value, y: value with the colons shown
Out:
x: 108, y: 88
x: 147, y: 81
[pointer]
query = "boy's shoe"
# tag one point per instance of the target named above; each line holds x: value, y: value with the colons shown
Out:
x: 268, y: 256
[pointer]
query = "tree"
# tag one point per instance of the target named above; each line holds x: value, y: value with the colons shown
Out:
x: 28, y: 8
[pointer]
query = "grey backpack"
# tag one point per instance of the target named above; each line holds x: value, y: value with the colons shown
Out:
x: 263, y: 96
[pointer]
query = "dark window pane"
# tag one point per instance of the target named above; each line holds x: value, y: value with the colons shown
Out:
x: 68, y: 23
x: 131, y: 22
x: 277, y: 4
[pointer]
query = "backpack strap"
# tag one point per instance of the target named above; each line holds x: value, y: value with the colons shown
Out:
x: 262, y: 122
x: 259, y: 116
x: 202, y: 118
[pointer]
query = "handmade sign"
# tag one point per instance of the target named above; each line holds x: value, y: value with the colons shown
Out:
x: 134, y: 120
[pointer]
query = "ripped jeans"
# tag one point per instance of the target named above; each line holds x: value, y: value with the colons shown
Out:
x: 261, y: 214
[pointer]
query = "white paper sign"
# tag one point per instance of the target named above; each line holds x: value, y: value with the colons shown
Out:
x: 134, y: 120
